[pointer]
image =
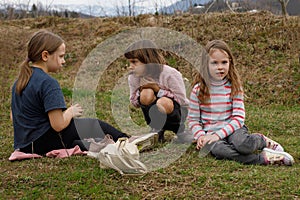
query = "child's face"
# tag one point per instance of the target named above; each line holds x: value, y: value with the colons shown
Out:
x: 56, y: 60
x: 218, y: 65
x: 136, y: 66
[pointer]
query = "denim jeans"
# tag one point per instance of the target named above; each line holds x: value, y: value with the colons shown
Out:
x: 240, y: 146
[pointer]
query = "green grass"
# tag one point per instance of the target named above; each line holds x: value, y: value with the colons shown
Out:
x: 189, y: 177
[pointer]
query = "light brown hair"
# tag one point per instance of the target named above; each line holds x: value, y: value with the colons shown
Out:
x: 42, y: 40
x: 202, y: 75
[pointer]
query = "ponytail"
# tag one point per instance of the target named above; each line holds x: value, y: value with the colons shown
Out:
x: 42, y: 40
x: 24, y: 76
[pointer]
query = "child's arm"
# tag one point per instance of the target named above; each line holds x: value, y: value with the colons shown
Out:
x: 134, y: 85
x: 175, y: 88
x: 193, y: 117
x: 59, y: 120
x: 237, y: 117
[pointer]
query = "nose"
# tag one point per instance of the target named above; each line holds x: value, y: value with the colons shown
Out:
x: 130, y: 66
x: 219, y: 66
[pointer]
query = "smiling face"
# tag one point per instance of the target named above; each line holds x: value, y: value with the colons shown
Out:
x: 218, y: 64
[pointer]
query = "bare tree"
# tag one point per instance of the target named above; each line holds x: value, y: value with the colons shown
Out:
x: 48, y: 6
x: 210, y: 5
x: 121, y: 10
x: 229, y: 5
x: 129, y: 8
x: 132, y: 5
x: 284, y: 4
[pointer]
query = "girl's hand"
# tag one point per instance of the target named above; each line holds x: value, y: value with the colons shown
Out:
x: 149, y: 83
x: 76, y: 110
x: 202, y: 140
x: 153, y: 86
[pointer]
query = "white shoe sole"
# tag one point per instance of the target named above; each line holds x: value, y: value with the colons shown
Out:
x: 284, y: 154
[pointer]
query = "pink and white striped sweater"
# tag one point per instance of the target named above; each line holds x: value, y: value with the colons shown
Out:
x: 221, y: 115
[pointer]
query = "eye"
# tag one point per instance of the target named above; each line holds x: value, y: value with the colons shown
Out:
x: 224, y: 62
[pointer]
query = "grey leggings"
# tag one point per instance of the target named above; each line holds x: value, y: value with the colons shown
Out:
x: 240, y: 146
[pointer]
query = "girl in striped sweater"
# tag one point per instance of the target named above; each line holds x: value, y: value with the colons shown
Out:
x: 217, y: 112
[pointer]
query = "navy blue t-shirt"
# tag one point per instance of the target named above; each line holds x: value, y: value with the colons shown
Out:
x: 30, y: 109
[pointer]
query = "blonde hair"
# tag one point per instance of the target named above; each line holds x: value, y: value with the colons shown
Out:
x: 201, y: 77
x: 42, y: 40
x: 148, y: 53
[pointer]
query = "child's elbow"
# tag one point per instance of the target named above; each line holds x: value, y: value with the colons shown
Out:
x: 58, y: 127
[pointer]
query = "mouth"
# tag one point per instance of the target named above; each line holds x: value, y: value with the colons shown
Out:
x: 131, y: 72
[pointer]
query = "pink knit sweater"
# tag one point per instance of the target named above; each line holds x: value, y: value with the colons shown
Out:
x: 170, y: 82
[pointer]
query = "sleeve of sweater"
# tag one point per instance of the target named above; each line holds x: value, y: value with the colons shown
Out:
x: 194, y: 114
x: 174, y: 87
x: 237, y: 117
x: 134, y: 83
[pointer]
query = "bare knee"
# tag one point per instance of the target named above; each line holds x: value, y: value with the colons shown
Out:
x: 147, y: 96
x: 165, y: 105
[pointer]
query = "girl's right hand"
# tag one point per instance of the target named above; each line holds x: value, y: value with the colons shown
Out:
x: 76, y: 110
x: 200, y: 142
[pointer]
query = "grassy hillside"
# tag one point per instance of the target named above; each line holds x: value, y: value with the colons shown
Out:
x: 267, y: 51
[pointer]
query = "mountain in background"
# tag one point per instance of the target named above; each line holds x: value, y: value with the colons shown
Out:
x: 183, y: 6
x: 13, y: 11
x: 200, y: 6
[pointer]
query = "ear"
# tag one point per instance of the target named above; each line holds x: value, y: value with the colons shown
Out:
x: 45, y: 55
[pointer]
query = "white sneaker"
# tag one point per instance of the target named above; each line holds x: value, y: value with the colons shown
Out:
x: 273, y: 157
x: 144, y: 142
x: 271, y: 144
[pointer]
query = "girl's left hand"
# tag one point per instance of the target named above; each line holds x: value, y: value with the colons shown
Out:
x: 206, y: 139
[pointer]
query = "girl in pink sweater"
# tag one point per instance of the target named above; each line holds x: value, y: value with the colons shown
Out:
x: 156, y: 88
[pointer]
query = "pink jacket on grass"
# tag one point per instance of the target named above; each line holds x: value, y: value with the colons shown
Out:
x: 59, y: 153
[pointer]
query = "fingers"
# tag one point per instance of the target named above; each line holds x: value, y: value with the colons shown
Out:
x: 199, y: 143
x: 77, y: 110
x: 202, y: 141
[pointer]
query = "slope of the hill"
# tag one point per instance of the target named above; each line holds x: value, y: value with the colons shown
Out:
x: 266, y: 47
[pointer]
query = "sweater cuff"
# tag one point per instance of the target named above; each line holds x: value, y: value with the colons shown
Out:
x: 160, y: 93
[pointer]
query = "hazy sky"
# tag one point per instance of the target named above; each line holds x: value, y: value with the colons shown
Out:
x: 144, y: 5
x: 103, y: 3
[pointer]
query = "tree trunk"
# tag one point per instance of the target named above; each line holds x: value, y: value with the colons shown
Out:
x: 283, y: 4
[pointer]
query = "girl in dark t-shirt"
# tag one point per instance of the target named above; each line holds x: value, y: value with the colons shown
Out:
x: 41, y: 120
